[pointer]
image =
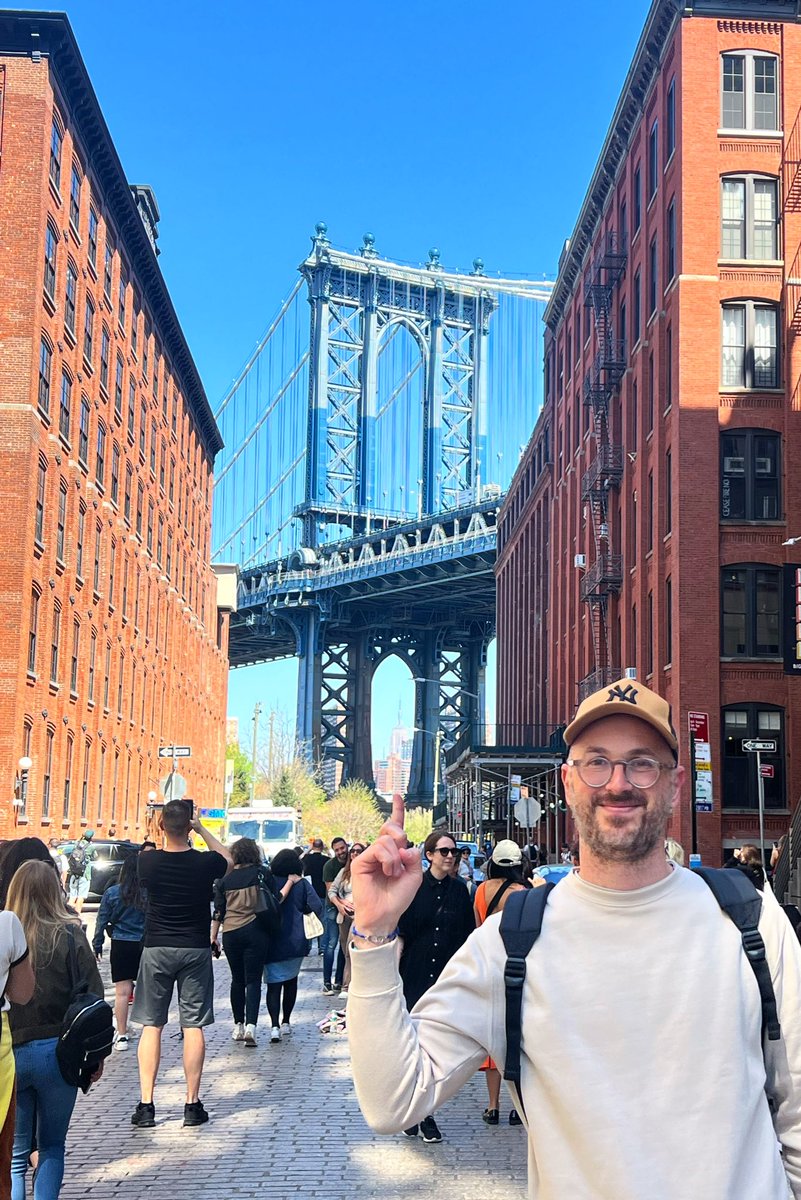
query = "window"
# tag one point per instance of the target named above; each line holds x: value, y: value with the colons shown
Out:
x: 115, y: 474
x: 750, y: 345
x: 623, y: 225
x: 120, y: 684
x: 128, y: 486
x: 649, y: 512
x: 135, y: 325
x: 48, y: 771
x: 91, y: 248
x: 118, y: 382
x: 56, y: 140
x: 45, y: 363
x: 740, y: 788
x: 85, y: 783
x: 112, y: 564
x: 92, y: 660
x: 75, y: 656
x: 105, y: 342
x: 107, y: 675
x: 69, y: 297
x: 143, y: 429
x: 749, y: 218
x: 131, y: 407
x: 51, y: 244
x: 65, y: 406
x: 636, y: 211
x: 146, y: 348
x: 108, y: 268
x: 79, y: 541
x: 140, y: 497
x: 162, y: 464
x: 171, y: 492
x: 33, y: 630
x: 83, y: 433
x: 98, y: 556
x: 175, y: 394
x: 125, y: 587
x: 68, y: 778
x: 153, y: 447
x: 61, y: 520
x: 88, y: 331
x: 751, y: 598
x: 750, y: 475
x: 160, y: 539
x: 653, y: 160
x: 668, y: 621
x: 41, y: 484
x: 670, y: 121
x: 75, y: 198
x: 668, y: 367
x: 100, y: 457
x: 636, y: 307
x: 100, y: 780
x: 649, y: 634
x: 121, y: 310
x: 670, y: 252
x: 168, y: 564
x: 54, y: 642
x: 750, y: 93
x: 150, y: 514
x: 668, y: 491
x: 623, y: 330
x: 653, y: 276
x: 634, y: 417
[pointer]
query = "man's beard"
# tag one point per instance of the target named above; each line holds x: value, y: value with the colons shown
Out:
x: 618, y: 845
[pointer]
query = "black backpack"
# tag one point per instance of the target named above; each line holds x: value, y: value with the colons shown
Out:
x: 76, y: 862
x: 87, y: 1032
x: 521, y: 924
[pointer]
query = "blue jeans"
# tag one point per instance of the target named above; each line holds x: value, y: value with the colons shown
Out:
x: 331, y: 947
x: 44, y: 1107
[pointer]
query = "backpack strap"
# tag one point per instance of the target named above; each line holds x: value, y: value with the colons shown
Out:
x: 742, y: 903
x: 521, y: 923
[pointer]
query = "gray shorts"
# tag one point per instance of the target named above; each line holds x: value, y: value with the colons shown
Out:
x: 78, y: 887
x: 160, y: 969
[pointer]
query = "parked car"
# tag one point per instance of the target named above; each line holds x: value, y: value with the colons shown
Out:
x: 553, y: 872
x: 106, y: 867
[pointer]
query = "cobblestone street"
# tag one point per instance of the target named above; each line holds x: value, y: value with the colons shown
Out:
x: 284, y: 1123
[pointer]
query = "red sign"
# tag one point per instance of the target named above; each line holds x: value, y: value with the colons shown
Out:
x: 767, y: 770
x: 699, y: 725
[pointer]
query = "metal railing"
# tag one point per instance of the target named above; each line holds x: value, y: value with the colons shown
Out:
x: 788, y: 861
x: 606, y: 466
x: 598, y: 679
x: 504, y: 737
x: 604, y: 576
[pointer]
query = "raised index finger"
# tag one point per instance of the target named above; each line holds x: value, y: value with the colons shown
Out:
x: 398, y: 809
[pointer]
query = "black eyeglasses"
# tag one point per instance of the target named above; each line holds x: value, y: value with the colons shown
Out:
x: 446, y: 850
x: 357, y: 849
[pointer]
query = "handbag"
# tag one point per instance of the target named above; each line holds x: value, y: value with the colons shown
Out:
x: 312, y: 925
x: 268, y: 906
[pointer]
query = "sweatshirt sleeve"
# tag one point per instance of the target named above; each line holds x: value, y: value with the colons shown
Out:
x: 102, y: 920
x: 783, y: 1058
x: 405, y: 1066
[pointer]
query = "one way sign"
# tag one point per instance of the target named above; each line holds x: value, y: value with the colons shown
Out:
x: 175, y: 751
x: 753, y: 746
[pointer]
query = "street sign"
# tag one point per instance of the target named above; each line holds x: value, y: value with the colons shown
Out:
x: 175, y: 751
x: 767, y: 770
x: 173, y: 786
x: 528, y: 811
x: 699, y: 725
x: 755, y: 746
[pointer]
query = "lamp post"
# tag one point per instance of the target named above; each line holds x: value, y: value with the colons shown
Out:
x: 24, y: 764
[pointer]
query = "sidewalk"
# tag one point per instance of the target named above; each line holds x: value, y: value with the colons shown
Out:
x: 284, y: 1123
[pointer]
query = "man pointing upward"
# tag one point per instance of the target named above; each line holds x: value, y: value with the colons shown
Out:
x: 643, y: 1073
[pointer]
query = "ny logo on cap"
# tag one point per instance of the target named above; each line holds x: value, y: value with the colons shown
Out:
x: 628, y: 693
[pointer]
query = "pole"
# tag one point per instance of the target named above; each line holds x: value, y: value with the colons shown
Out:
x: 693, y: 810
x: 761, y: 793
x: 256, y: 715
x: 270, y: 747
x: 437, y: 740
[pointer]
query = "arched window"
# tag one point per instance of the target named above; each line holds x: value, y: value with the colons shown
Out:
x: 749, y: 91
x: 51, y: 245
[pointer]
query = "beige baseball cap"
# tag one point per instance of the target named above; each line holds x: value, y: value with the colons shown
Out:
x: 628, y: 698
x: 507, y: 854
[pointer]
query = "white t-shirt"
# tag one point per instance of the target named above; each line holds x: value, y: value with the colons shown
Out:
x: 13, y: 949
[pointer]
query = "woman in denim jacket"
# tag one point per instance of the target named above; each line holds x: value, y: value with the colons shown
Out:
x: 122, y: 916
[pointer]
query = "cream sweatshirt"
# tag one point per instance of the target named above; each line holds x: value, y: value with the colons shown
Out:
x: 643, y: 1076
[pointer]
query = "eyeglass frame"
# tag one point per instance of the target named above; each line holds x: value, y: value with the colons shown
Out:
x: 624, y: 763
x: 453, y: 851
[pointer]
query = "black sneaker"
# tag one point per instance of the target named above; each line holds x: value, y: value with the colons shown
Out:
x: 144, y: 1116
x: 195, y: 1114
x: 491, y: 1116
x: 429, y: 1130
x: 411, y: 1131
x: 515, y: 1118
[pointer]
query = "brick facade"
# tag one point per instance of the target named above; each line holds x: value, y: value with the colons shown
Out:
x: 667, y: 494
x: 111, y: 643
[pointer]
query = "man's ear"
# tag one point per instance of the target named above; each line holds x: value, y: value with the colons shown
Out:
x: 161, y: 823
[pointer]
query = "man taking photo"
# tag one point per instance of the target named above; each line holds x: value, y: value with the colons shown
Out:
x: 177, y: 950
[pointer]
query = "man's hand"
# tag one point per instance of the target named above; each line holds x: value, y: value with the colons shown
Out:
x: 196, y: 826
x: 385, y: 877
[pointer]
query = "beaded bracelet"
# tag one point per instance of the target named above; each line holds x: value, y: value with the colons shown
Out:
x: 375, y: 939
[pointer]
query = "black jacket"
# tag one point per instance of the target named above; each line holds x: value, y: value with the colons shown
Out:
x: 437, y: 922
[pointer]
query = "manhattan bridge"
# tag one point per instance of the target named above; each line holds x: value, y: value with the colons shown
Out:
x: 369, y: 441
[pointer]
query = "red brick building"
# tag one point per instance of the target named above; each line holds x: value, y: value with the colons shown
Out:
x: 645, y: 527
x: 111, y: 641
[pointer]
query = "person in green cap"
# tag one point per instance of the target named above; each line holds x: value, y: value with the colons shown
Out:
x: 79, y: 869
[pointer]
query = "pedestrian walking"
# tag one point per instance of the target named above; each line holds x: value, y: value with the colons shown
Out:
x: 240, y: 899
x: 465, y: 867
x: 333, y: 956
x: 341, y: 895
x: 122, y: 916
x: 435, y: 925
x: 45, y: 1101
x: 79, y: 869
x: 640, y: 1009
x: 286, y: 952
x: 314, y: 863
x: 177, y: 951
x: 17, y: 983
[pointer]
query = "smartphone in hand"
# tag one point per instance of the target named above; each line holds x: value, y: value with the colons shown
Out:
x: 191, y: 805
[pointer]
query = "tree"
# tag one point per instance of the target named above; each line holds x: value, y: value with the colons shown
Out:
x: 352, y: 814
x: 418, y: 823
x: 243, y: 771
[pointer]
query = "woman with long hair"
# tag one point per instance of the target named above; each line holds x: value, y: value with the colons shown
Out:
x: 287, y: 951
x: 122, y: 916
x: 341, y: 894
x: 44, y: 1101
x: 238, y: 902
x: 505, y: 874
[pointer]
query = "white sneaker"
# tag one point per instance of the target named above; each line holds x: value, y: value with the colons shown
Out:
x: 275, y: 1034
x: 286, y: 1029
x: 250, y: 1035
x: 121, y: 1041
x: 239, y: 1033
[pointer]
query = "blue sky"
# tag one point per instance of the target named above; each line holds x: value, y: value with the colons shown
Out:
x: 468, y: 126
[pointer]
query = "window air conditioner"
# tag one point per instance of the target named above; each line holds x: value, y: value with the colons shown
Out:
x: 763, y: 466
x: 734, y: 465
x: 580, y: 560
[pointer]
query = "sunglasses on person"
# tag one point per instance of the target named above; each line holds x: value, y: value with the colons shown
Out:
x: 357, y: 849
x: 445, y: 851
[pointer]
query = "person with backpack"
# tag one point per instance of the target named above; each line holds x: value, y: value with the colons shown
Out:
x: 64, y: 969
x: 646, y: 1016
x: 122, y: 916
x: 247, y: 906
x: 79, y: 869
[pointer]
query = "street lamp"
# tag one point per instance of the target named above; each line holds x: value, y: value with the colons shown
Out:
x: 24, y: 764
x: 791, y: 541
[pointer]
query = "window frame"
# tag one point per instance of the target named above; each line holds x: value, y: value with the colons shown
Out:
x: 749, y: 58
x: 750, y: 307
x: 747, y: 787
x: 749, y: 179
x: 749, y: 474
x: 652, y: 181
x: 750, y: 614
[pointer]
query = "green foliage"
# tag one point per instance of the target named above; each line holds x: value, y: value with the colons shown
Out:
x: 243, y: 773
x: 352, y: 814
x: 418, y: 824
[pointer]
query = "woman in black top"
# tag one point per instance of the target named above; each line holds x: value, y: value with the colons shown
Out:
x: 437, y: 922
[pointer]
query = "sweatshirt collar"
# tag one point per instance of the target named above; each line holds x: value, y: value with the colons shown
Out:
x: 594, y: 894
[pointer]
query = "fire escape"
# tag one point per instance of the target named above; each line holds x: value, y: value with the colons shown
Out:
x: 604, y: 576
